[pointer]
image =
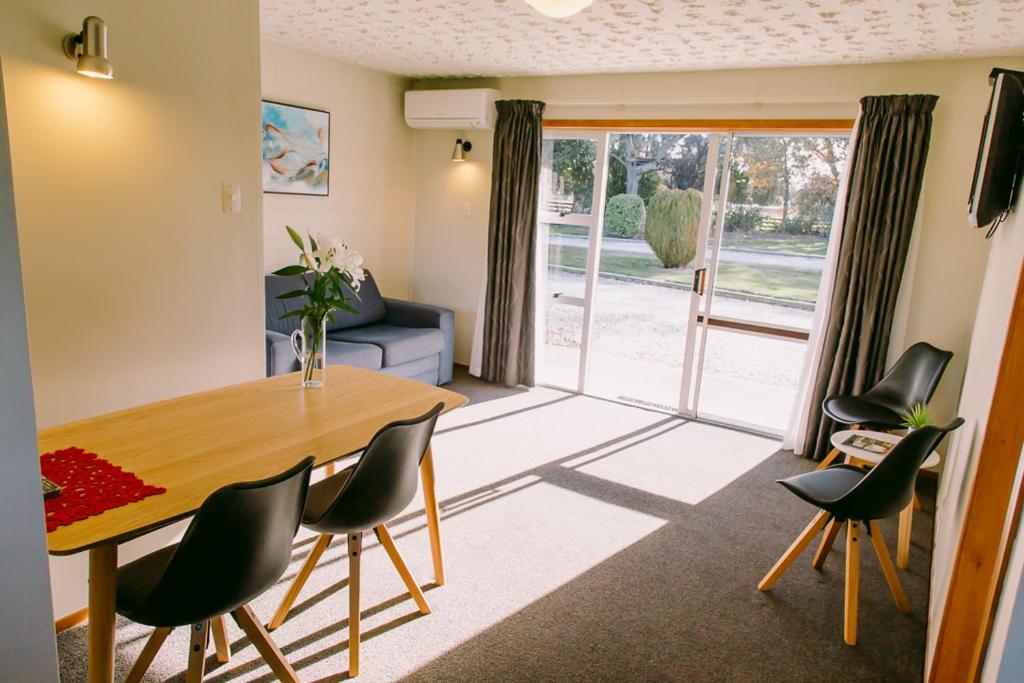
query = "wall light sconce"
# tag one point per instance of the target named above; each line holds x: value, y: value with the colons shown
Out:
x: 461, y: 147
x: 88, y: 49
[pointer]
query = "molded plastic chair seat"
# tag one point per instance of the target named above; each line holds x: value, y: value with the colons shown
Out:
x: 322, y: 495
x: 362, y: 497
x: 823, y: 488
x: 237, y: 546
x: 910, y: 382
x: 135, y: 583
x: 851, y: 410
x: 849, y: 495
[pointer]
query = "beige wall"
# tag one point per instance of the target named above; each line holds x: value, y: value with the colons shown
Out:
x: 986, y: 349
x: 372, y: 179
x: 944, y: 282
x: 137, y: 286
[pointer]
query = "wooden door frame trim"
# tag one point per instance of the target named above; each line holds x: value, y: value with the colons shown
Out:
x: 707, y: 125
x: 990, y: 523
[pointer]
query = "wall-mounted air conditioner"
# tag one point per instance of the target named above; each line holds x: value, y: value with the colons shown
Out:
x: 460, y: 109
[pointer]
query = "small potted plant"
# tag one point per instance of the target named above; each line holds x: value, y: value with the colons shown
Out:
x: 330, y: 271
x: 917, y: 417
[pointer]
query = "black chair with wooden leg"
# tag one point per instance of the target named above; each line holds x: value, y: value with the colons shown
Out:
x: 910, y: 382
x: 851, y: 495
x: 237, y: 546
x: 365, y: 496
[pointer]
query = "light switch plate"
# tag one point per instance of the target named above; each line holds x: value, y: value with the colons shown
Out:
x: 231, y: 198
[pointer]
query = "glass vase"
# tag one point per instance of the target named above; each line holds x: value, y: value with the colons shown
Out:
x: 309, y: 343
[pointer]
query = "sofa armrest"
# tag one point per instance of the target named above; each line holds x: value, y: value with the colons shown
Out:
x: 408, y: 314
x: 280, y: 357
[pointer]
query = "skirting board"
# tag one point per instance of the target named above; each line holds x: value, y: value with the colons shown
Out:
x: 70, y: 620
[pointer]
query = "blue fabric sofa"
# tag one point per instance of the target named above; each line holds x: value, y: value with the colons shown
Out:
x: 398, y: 337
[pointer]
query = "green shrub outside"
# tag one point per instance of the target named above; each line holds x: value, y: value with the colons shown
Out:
x: 671, y: 226
x: 743, y: 219
x: 797, y: 226
x: 624, y: 216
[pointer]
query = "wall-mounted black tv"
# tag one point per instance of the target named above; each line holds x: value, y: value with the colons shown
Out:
x: 997, y: 176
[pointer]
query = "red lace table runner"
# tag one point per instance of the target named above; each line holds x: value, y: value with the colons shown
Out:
x: 90, y: 486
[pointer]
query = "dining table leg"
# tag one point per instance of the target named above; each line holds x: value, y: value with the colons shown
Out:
x: 433, y: 521
x: 102, y: 590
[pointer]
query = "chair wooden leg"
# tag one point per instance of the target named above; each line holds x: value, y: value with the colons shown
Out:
x: 917, y: 503
x: 220, y: 639
x: 153, y: 645
x: 355, y: 549
x: 797, y: 547
x: 903, y: 540
x: 396, y: 559
x: 433, y: 515
x: 829, y: 459
x: 247, y: 621
x: 826, y: 543
x: 852, y: 581
x: 895, y: 587
x: 300, y: 580
x: 197, y: 652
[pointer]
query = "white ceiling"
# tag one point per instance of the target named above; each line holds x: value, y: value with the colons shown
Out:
x: 506, y: 38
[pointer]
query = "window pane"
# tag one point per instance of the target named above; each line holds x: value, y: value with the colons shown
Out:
x: 782, y: 194
x: 567, y: 176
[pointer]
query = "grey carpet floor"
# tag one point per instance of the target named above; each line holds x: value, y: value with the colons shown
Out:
x: 586, y: 541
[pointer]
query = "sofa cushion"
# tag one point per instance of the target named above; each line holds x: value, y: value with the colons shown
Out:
x: 399, y: 344
x: 424, y: 369
x: 369, y: 306
x: 368, y: 303
x: 367, y: 356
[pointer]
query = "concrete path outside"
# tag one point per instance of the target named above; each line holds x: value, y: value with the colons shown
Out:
x: 761, y: 258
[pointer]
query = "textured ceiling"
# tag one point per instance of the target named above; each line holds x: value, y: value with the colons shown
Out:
x: 506, y: 38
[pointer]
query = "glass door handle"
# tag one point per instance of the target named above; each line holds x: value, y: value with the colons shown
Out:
x: 700, y: 277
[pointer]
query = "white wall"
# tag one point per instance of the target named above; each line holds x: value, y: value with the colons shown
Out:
x: 990, y: 327
x: 944, y: 282
x: 450, y: 247
x: 27, y: 649
x: 137, y: 287
x: 372, y: 179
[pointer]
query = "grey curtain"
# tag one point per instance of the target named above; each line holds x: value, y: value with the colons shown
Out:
x: 508, y: 354
x: 884, y: 188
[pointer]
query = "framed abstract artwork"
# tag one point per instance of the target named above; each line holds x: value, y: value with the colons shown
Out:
x: 296, y: 149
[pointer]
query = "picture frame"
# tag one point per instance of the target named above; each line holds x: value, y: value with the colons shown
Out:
x: 296, y: 149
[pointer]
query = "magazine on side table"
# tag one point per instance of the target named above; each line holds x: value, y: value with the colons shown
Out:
x: 868, y: 444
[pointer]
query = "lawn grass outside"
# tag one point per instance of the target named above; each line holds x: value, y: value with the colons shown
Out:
x: 761, y: 280
x: 771, y: 242
x: 776, y: 243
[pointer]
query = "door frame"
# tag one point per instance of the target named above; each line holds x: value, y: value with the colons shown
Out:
x: 595, y: 223
x: 721, y: 133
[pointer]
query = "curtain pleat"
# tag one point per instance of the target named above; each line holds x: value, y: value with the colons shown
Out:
x: 882, y: 197
x: 508, y: 330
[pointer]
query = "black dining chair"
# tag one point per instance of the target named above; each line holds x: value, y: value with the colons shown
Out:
x: 854, y: 496
x: 362, y: 497
x: 910, y: 382
x: 237, y: 546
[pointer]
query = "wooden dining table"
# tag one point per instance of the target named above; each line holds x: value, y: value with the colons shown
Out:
x: 195, y: 444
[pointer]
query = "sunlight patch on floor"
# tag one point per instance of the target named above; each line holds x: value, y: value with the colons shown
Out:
x: 687, y: 462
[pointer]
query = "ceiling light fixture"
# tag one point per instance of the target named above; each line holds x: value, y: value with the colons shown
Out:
x: 559, y: 9
x: 88, y: 49
x: 461, y: 147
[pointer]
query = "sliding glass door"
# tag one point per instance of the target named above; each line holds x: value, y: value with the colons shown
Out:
x: 680, y: 270
x: 658, y: 205
x: 766, y: 257
x: 572, y: 177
